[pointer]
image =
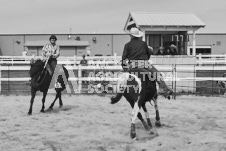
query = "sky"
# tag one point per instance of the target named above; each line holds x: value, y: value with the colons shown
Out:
x: 98, y: 16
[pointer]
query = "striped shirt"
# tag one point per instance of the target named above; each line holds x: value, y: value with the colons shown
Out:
x: 54, y: 50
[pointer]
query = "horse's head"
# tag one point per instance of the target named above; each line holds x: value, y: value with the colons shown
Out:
x: 36, y: 67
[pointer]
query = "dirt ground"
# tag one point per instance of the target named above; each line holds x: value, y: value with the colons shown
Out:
x: 91, y: 123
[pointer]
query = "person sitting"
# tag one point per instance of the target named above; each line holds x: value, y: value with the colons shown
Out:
x: 168, y: 51
x: 50, y: 53
x: 160, y: 51
x: 173, y: 49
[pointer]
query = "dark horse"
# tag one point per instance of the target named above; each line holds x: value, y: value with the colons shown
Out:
x: 138, y: 89
x: 38, y: 73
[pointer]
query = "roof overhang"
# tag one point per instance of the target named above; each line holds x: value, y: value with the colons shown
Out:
x: 151, y: 21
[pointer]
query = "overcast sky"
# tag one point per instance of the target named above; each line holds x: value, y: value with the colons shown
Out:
x: 99, y: 16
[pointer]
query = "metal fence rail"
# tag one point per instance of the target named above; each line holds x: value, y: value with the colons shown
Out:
x: 182, y: 78
x: 199, y: 59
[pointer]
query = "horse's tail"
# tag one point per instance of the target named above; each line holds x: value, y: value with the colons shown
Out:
x: 121, y: 85
x: 116, y: 98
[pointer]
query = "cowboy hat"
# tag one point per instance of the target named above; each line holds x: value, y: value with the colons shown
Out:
x: 136, y: 32
x: 173, y: 46
x: 53, y: 37
x: 162, y: 48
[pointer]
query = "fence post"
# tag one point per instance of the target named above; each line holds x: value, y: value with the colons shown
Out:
x: 79, y: 79
x: 224, y: 58
x: 200, y: 59
x: 115, y: 58
x: 175, y: 82
x: 0, y: 80
x: 75, y: 59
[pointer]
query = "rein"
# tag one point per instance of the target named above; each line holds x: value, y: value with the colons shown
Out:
x: 43, y: 71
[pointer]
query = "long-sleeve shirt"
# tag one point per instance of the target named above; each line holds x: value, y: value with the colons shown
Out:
x: 54, y: 50
x: 136, y: 49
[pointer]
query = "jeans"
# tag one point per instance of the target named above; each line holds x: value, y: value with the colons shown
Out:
x: 152, y: 70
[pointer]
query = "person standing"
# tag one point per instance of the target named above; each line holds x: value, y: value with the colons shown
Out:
x: 137, y: 50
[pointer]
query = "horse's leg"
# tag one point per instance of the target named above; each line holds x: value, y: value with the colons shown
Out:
x: 139, y: 115
x: 60, y: 100
x: 43, y: 102
x: 148, y: 118
x: 51, y: 106
x: 157, y: 117
x: 135, y: 112
x: 33, y: 92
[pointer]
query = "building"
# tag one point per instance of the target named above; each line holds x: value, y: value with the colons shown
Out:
x: 67, y: 47
x: 165, y: 29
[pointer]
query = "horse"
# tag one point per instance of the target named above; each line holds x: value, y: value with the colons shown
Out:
x: 39, y: 74
x: 138, y: 89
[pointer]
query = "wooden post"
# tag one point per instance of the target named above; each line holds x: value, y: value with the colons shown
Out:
x: 79, y: 79
x: 75, y: 59
x: 200, y: 59
x: 194, y: 44
x: 115, y: 58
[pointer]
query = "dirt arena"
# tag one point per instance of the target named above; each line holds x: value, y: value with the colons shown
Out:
x: 91, y: 123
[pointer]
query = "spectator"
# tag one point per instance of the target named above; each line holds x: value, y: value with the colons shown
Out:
x: 151, y: 50
x: 173, y: 49
x: 168, y: 51
x: 160, y: 51
x: 83, y: 61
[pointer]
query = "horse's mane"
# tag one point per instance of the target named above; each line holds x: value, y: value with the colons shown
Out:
x: 36, y: 66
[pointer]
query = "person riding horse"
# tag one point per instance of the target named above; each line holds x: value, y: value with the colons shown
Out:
x: 137, y: 53
x: 50, y: 53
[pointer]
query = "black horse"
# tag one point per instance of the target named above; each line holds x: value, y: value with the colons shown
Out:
x: 40, y: 81
x: 138, y: 89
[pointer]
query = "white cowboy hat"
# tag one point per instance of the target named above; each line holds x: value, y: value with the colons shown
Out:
x: 173, y: 46
x: 136, y: 32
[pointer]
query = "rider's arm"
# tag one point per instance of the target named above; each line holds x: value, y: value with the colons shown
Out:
x: 125, y: 56
x: 125, y: 53
x: 147, y: 51
x: 44, y: 51
x: 57, y: 52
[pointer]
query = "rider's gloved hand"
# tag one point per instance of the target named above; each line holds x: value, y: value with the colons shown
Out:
x: 48, y: 54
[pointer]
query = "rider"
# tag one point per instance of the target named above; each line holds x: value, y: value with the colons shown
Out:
x: 137, y: 53
x: 50, y: 53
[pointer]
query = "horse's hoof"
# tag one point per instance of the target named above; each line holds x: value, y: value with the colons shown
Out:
x: 29, y: 113
x: 42, y: 111
x: 60, y: 106
x: 133, y: 132
x: 158, y: 124
x: 147, y: 128
x: 135, y: 138
x: 50, y: 107
x: 151, y: 132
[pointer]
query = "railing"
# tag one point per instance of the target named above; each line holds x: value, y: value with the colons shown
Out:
x: 210, y: 59
x: 179, y: 77
x: 61, y: 60
x: 182, y: 74
x: 112, y: 60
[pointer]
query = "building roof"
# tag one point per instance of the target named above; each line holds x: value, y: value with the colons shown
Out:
x: 163, y: 19
x: 64, y: 43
